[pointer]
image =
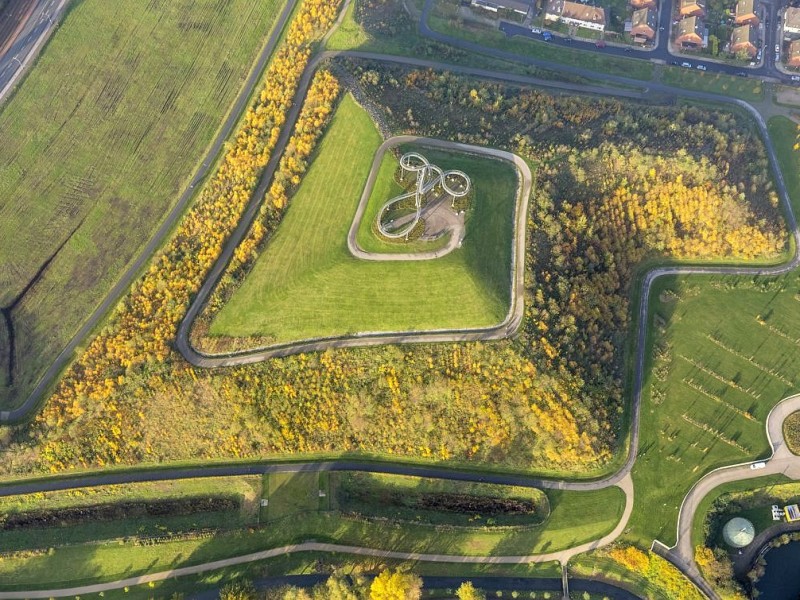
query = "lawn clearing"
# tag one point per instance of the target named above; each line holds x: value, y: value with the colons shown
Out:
x: 745, y: 88
x: 783, y: 132
x: 307, y: 284
x: 98, y: 142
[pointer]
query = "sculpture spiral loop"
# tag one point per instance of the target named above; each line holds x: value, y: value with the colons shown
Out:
x: 455, y: 183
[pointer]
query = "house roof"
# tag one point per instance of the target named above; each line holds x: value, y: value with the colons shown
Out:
x: 745, y: 7
x: 643, y: 17
x: 792, y: 18
x: 689, y: 26
x: 687, y: 4
x: 743, y: 35
x: 577, y: 11
x: 793, y: 57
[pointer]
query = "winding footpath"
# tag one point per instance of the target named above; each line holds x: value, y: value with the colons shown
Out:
x: 681, y: 554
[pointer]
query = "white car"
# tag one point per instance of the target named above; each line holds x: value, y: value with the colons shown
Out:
x: 687, y: 65
x: 777, y: 48
x: 795, y: 77
x: 758, y: 465
x: 701, y: 68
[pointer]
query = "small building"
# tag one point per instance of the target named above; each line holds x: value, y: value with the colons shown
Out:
x: 793, y: 55
x: 690, y: 32
x: 745, y: 13
x: 639, y: 4
x: 791, y: 21
x: 575, y: 13
x: 643, y: 25
x: 743, y: 39
x: 518, y: 6
x: 792, y: 513
x: 738, y: 532
x: 692, y: 8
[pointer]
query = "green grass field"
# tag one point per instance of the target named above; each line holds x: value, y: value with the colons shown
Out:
x: 306, y: 283
x: 745, y: 88
x: 98, y: 143
x: 301, y: 514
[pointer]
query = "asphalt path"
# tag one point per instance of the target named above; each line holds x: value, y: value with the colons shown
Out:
x: 23, y: 48
x: 781, y: 461
x: 26, y: 409
x: 489, y: 584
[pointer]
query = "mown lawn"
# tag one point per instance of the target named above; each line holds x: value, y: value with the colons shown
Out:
x: 307, y: 284
x: 576, y: 517
x: 746, y: 88
x: 97, y: 145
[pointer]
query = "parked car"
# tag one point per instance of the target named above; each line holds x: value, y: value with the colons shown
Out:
x: 547, y: 36
x: 687, y: 65
x: 777, y: 48
x: 742, y: 74
x: 628, y: 49
x: 600, y: 44
x: 535, y: 30
x: 701, y: 68
x: 795, y: 77
x: 758, y: 465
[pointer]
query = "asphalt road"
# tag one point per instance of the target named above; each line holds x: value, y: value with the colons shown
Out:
x: 661, y: 52
x: 522, y: 584
x: 23, y: 48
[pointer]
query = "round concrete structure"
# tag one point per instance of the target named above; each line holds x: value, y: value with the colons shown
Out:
x: 738, y: 532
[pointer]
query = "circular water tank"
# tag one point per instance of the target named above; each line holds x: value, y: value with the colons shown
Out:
x: 738, y: 532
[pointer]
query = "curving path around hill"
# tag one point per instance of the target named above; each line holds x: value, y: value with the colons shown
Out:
x: 504, y: 329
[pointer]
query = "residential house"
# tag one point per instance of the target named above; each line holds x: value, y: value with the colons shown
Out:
x: 791, y: 21
x: 793, y: 56
x: 575, y: 13
x: 643, y: 25
x: 690, y: 32
x: 692, y: 8
x: 743, y: 39
x: 518, y: 6
x: 639, y: 4
x: 745, y: 13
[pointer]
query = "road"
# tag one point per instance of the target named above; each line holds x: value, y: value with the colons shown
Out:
x: 22, y: 48
x: 521, y: 584
x: 661, y: 52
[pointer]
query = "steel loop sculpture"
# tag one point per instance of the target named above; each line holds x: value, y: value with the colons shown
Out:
x: 454, y: 183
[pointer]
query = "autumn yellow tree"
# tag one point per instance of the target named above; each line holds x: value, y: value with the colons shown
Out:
x: 395, y: 585
x: 467, y: 591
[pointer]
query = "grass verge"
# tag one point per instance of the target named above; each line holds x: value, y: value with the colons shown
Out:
x: 745, y: 88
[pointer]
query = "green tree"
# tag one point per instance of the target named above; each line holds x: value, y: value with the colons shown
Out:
x: 467, y: 591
